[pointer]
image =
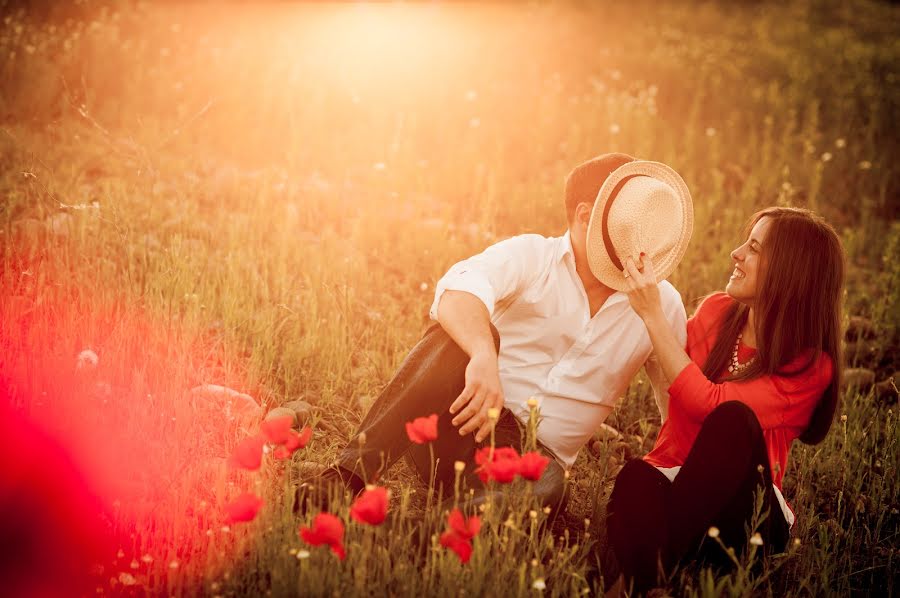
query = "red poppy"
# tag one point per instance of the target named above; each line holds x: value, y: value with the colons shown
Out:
x: 465, y: 527
x: 423, y: 429
x: 277, y: 430
x: 502, y: 466
x: 371, y: 507
x: 458, y: 537
x: 243, y: 508
x: 462, y: 547
x: 294, y: 441
x: 248, y: 454
x: 532, y: 465
x: 500, y: 453
x: 326, y: 529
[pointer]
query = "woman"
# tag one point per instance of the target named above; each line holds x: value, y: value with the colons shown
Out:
x: 761, y: 369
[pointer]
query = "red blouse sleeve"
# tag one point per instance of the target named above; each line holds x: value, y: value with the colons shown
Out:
x: 777, y: 401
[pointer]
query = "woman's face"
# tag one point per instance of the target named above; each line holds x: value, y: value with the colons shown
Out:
x: 742, y: 286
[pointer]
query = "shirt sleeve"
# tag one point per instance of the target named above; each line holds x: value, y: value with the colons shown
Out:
x: 777, y: 401
x: 677, y: 317
x: 498, y: 273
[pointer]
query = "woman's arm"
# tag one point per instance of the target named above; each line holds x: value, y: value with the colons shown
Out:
x: 643, y: 294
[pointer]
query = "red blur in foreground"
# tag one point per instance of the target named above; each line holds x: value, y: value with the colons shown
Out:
x: 458, y: 537
x: 423, y: 430
x: 277, y: 430
x: 326, y: 529
x: 51, y: 521
x: 371, y: 506
x: 248, y: 453
x: 244, y: 508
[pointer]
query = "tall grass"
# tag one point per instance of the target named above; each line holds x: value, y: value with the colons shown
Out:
x: 264, y: 196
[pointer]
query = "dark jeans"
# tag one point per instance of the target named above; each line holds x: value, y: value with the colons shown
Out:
x: 653, y: 522
x: 428, y: 381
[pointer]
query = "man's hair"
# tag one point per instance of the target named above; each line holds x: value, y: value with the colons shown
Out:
x: 584, y: 182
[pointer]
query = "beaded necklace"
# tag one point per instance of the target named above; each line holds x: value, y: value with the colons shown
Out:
x: 736, y: 366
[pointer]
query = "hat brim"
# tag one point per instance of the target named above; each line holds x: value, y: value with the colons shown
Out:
x: 599, y: 261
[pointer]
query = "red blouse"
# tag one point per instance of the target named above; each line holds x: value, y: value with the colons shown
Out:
x: 782, y: 404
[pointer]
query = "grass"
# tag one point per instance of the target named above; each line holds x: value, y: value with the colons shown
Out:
x: 263, y: 197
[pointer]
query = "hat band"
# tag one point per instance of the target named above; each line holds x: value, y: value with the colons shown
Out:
x: 610, y: 250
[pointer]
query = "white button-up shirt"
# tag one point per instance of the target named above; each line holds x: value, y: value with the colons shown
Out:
x: 576, y: 366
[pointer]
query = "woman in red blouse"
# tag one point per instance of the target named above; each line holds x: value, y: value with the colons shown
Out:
x: 761, y: 368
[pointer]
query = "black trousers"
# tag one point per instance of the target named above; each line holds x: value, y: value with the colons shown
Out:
x: 428, y: 381
x: 653, y: 524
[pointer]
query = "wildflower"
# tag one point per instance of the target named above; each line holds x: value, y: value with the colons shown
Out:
x: 614, y: 129
x: 370, y: 507
x: 248, y: 454
x: 87, y: 360
x: 302, y: 554
x: 826, y: 157
x: 532, y: 514
x: 713, y: 532
x: 865, y: 165
x: 502, y: 466
x: 534, y: 562
x: 796, y: 541
x: 127, y: 579
x: 459, y: 466
x: 135, y: 564
x: 532, y: 403
x: 539, y: 584
x: 277, y: 430
x: 243, y: 508
x: 326, y: 529
x: 843, y: 418
x: 173, y: 565
x: 422, y: 430
x: 532, y: 465
x: 840, y: 143
x: 294, y: 441
x: 760, y: 468
x: 458, y: 536
x: 756, y: 539
x: 547, y: 510
x: 493, y: 414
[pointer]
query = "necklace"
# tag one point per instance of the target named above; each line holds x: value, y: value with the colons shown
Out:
x: 737, y: 367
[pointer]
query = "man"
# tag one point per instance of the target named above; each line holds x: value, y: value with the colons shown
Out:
x: 534, y: 318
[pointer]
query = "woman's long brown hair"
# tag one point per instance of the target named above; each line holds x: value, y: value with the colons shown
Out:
x: 797, y: 310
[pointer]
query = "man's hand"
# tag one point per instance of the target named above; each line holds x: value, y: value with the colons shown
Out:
x: 482, y: 392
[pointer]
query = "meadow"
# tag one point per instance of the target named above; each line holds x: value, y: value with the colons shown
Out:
x: 263, y: 196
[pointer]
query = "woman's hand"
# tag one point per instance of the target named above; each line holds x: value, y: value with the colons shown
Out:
x: 643, y: 294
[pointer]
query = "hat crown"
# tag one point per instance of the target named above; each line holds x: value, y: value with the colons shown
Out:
x: 640, y: 218
x: 641, y: 207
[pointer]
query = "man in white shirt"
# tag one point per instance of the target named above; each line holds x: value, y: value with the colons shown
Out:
x: 524, y: 319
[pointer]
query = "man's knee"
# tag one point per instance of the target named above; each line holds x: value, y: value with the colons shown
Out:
x: 550, y: 490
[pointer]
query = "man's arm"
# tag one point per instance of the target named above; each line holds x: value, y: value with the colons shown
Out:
x: 465, y: 318
x: 464, y: 303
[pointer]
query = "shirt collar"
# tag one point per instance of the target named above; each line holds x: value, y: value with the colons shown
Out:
x: 564, y: 247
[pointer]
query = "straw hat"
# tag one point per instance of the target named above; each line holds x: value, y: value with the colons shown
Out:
x: 641, y: 207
